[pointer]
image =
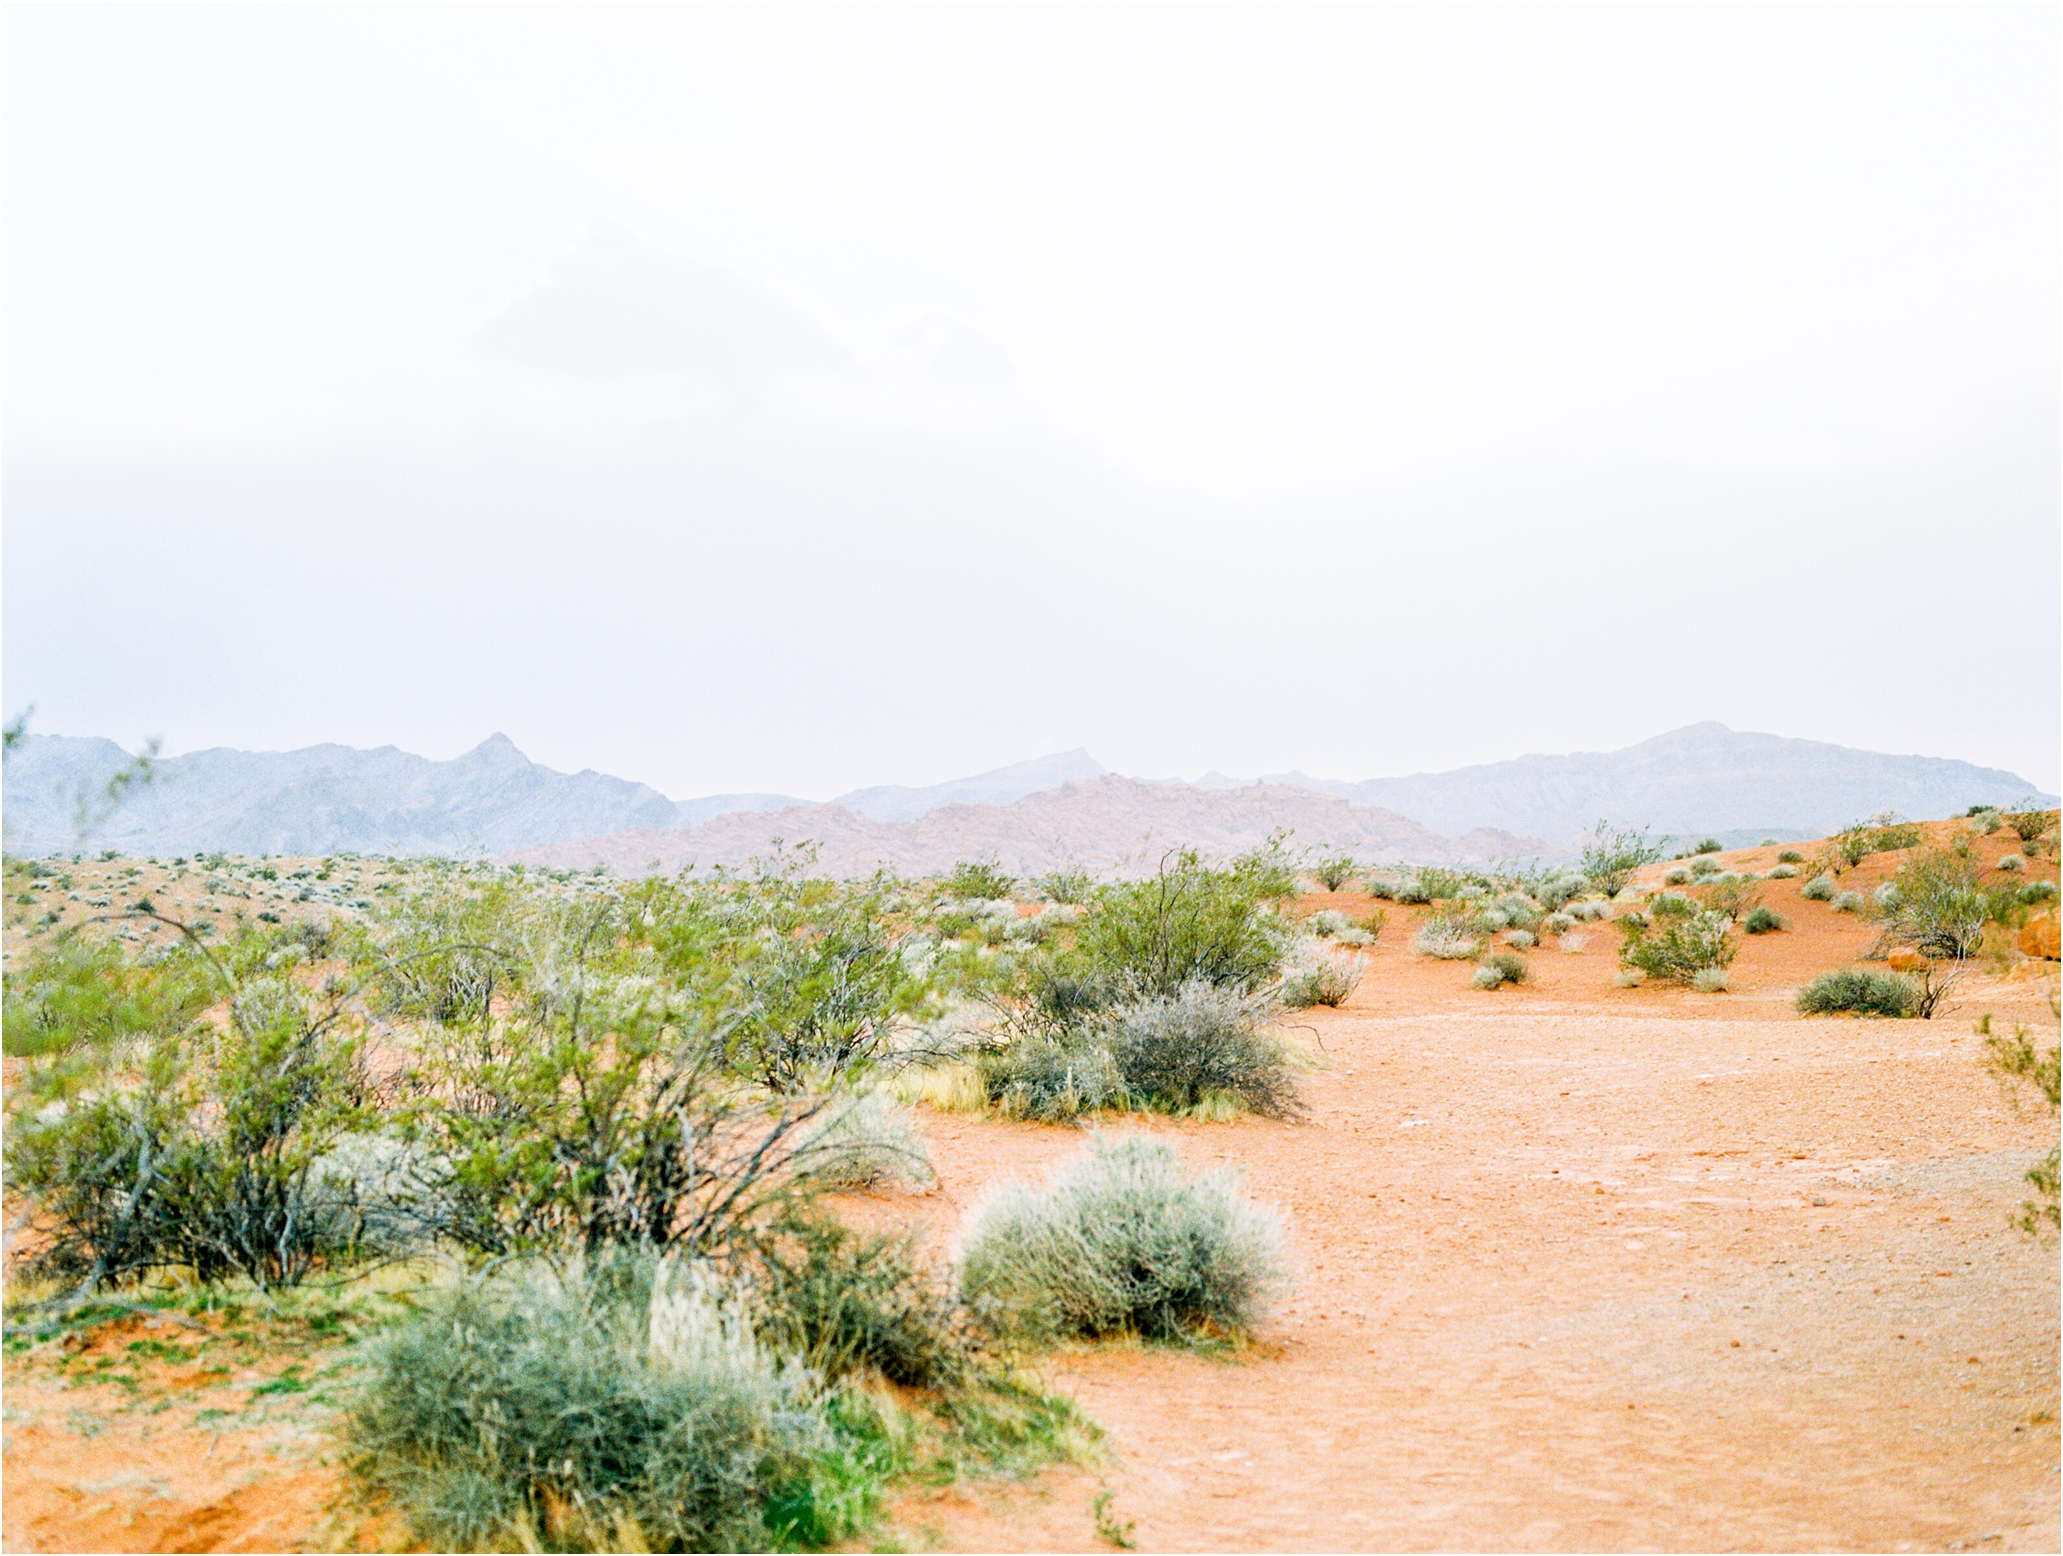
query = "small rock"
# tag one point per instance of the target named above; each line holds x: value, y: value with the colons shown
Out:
x: 2042, y: 937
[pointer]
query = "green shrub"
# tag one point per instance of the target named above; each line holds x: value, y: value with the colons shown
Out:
x: 1733, y: 896
x: 978, y: 879
x: 2031, y: 822
x: 1763, y: 921
x: 1703, y: 868
x: 1202, y: 1042
x: 1334, y: 870
x: 1849, y: 902
x: 1315, y: 976
x: 2011, y: 862
x: 1859, y: 989
x: 76, y: 994
x: 2036, y: 892
x: 1498, y: 969
x: 1897, y: 835
x: 848, y: 1302
x: 1120, y: 1243
x: 1071, y: 886
x: 1051, y: 1077
x: 1941, y: 906
x: 1558, y: 923
x: 1709, y: 845
x: 1590, y: 912
x: 1522, y: 940
x: 1679, y: 946
x: 1186, y: 921
x: 1784, y: 872
x: 2016, y: 1060
x: 1790, y: 856
x: 1819, y: 889
x: 620, y: 1406
x: 1678, y: 875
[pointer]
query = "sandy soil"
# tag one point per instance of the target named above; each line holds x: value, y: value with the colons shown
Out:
x: 1577, y: 1268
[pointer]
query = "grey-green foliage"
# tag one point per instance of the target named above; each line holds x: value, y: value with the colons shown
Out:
x: 1052, y: 1074
x: 1783, y: 872
x: 864, y: 1141
x: 625, y: 1405
x: 1203, y: 1041
x: 1861, y: 990
x: 2037, y: 892
x: 1317, y: 976
x: 1122, y: 1241
x: 1498, y: 969
x: 1449, y: 936
x: 1186, y: 921
x: 1820, y: 888
x: 1849, y: 902
x: 1611, y: 857
x: 1680, y: 945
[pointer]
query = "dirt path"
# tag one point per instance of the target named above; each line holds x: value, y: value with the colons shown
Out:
x: 1592, y: 1280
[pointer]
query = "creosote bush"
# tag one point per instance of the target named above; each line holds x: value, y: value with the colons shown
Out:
x: 1122, y: 1242
x: 1861, y: 990
x: 1790, y: 856
x: 1679, y: 945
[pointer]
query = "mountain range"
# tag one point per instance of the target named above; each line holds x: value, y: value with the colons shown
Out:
x: 494, y: 800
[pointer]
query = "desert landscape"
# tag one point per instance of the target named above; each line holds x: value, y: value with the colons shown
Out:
x: 1581, y: 1261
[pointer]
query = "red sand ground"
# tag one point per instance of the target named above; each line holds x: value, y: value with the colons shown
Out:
x: 1578, y: 1267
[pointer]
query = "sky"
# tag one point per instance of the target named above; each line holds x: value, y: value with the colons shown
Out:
x: 793, y: 399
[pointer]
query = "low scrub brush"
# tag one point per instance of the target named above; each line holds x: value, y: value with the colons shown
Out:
x: 1784, y: 872
x: 1051, y: 1078
x: 1861, y: 990
x: 2012, y: 862
x: 1820, y: 888
x: 865, y: 1142
x: 1315, y: 976
x: 1790, y: 856
x: 1850, y: 902
x: 1763, y: 921
x: 1121, y: 1242
x: 1498, y: 969
x: 1680, y: 945
x: 1710, y: 980
x: 1202, y: 1043
x: 1448, y: 937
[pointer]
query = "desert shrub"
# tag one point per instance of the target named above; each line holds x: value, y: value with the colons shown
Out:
x: 1849, y: 902
x: 1790, y: 856
x: 2017, y: 1060
x: 1941, y: 907
x: 1334, y: 870
x: 2011, y: 862
x: 1732, y: 895
x: 1315, y: 976
x: 1628, y: 978
x: 1678, y: 875
x: 1819, y: 889
x: 1988, y: 818
x: 1179, y: 1051
x: 1327, y: 923
x: 1498, y: 969
x: 1667, y: 904
x: 1855, y: 843
x: 1450, y: 936
x: 2030, y: 822
x: 1862, y: 990
x: 624, y: 1405
x: 1446, y: 885
x: 1558, y: 923
x: 1382, y: 887
x: 1120, y: 1242
x: 1522, y: 939
x: 1412, y: 891
x: 200, y: 1149
x: 1555, y: 889
x: 1703, y: 867
x: 1896, y: 835
x: 1762, y: 920
x: 863, y: 1142
x: 1051, y: 1077
x: 1679, y: 946
x: 1187, y: 921
x: 1590, y: 912
x: 847, y: 1301
x: 1710, y: 845
x: 2036, y: 892
x: 978, y: 878
x: 76, y: 994
x: 1072, y: 886
x: 1710, y: 980
x: 1784, y: 872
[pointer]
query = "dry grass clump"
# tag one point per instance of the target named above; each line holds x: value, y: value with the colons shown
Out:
x: 1590, y: 912
x: 1052, y: 1077
x: 1121, y: 1242
x: 1710, y: 980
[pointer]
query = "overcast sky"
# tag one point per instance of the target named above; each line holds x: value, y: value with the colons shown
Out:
x: 793, y: 399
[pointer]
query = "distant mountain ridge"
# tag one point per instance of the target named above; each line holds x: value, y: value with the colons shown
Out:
x: 1701, y: 778
x: 1107, y: 824
x: 494, y: 800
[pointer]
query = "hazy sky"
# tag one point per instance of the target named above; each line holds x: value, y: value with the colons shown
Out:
x: 783, y: 398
